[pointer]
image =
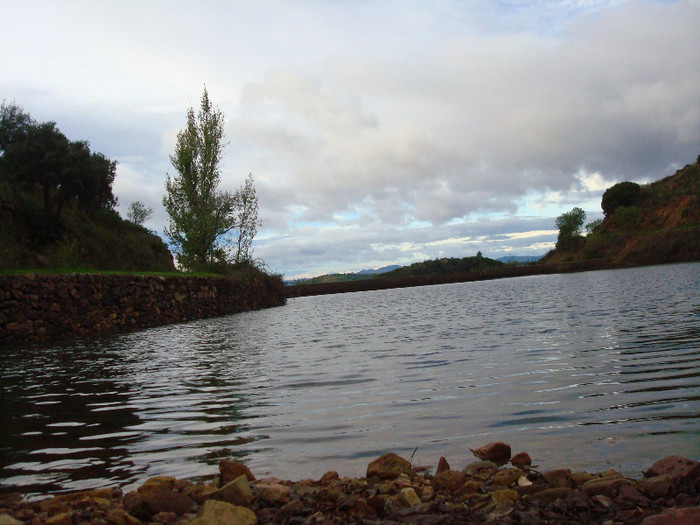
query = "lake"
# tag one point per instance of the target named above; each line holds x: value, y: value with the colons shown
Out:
x: 587, y: 371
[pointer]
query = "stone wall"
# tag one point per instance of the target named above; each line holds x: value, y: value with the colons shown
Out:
x: 36, y: 306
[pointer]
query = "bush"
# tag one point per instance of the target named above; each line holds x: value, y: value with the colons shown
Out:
x: 622, y: 194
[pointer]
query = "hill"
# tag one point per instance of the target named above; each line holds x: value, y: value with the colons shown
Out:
x: 444, y: 266
x: 658, y: 224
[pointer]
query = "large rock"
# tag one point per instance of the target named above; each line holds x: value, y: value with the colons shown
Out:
x: 481, y: 470
x: 685, y: 516
x: 609, y: 487
x: 680, y: 469
x: 237, y: 492
x: 159, y: 497
x: 450, y: 480
x: 521, y: 460
x: 215, y: 512
x: 498, y: 452
x: 230, y: 470
x: 388, y: 466
x: 559, y: 478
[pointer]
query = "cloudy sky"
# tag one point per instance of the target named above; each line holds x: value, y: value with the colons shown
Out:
x: 377, y: 132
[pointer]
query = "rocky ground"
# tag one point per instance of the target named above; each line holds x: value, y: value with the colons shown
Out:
x: 496, y: 489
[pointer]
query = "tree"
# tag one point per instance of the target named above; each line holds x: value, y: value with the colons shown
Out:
x: 138, y: 213
x: 247, y: 223
x: 593, y: 226
x: 570, y: 226
x: 200, y: 215
x: 621, y: 194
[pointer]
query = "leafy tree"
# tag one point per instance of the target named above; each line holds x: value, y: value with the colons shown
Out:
x: 621, y: 194
x: 138, y: 213
x: 247, y: 222
x: 570, y: 225
x: 200, y: 215
x: 593, y: 226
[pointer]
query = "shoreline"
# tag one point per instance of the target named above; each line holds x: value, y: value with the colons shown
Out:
x: 496, y: 487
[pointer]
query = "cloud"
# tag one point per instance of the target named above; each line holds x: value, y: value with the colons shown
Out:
x: 376, y: 132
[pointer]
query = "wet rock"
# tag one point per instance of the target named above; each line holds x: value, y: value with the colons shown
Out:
x: 237, y: 492
x: 559, y: 478
x: 680, y: 469
x: 443, y: 465
x: 506, y: 477
x: 215, y: 512
x: 408, y: 497
x: 521, y: 460
x: 498, y: 452
x: 481, y: 470
x: 121, y: 517
x: 230, y: 470
x: 685, y: 516
x: 449, y: 480
x: 388, y: 466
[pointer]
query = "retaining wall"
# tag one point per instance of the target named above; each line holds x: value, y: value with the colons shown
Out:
x: 35, y: 306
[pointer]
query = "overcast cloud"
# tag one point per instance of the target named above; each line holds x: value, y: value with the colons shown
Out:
x: 376, y: 132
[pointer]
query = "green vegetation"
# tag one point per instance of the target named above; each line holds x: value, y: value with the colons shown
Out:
x: 570, y: 226
x: 57, y: 205
x: 444, y: 266
x: 201, y: 216
x: 651, y: 224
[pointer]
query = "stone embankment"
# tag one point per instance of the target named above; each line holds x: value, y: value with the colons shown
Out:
x: 38, y: 306
x: 393, y: 491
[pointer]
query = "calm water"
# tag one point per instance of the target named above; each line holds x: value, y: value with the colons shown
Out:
x: 591, y: 371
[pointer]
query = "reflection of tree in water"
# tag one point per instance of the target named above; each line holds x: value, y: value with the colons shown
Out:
x: 64, y: 418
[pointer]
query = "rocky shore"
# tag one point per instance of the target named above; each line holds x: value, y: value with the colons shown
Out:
x: 498, y: 488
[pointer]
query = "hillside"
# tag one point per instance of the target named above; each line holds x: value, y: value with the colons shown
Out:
x: 661, y: 226
x: 444, y: 266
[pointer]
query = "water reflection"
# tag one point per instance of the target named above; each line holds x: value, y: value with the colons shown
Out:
x: 591, y: 370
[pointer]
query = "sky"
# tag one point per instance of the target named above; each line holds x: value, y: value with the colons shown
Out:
x: 377, y: 132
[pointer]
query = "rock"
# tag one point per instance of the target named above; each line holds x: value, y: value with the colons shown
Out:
x: 293, y: 508
x: 504, y: 496
x: 685, y: 516
x: 524, y: 482
x: 215, y: 512
x: 680, y: 469
x: 330, y: 476
x: 631, y: 494
x: 6, y: 519
x: 273, y: 492
x: 64, y: 518
x: 656, y: 487
x: 230, y: 470
x: 408, y: 497
x: 443, y: 465
x: 470, y: 487
x: 609, y: 487
x: 482, y: 470
x: 237, y: 492
x: 579, y: 478
x: 498, y: 452
x: 551, y: 495
x: 160, y: 498
x: 121, y: 517
x: 450, y: 480
x: 559, y: 478
x: 388, y: 466
x: 506, y: 477
x: 521, y: 460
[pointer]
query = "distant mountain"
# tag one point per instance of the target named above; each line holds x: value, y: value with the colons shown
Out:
x: 510, y: 259
x: 444, y: 266
x: 383, y: 269
x: 658, y: 224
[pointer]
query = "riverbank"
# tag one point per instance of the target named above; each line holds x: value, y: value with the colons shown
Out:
x: 40, y: 306
x: 499, y: 488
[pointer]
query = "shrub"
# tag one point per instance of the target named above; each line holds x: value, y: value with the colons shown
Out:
x: 622, y: 194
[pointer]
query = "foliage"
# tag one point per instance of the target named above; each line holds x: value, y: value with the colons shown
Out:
x: 622, y: 194
x: 570, y: 225
x: 592, y: 226
x: 247, y: 223
x: 443, y: 266
x: 38, y: 157
x: 138, y: 213
x: 200, y: 215
x: 626, y: 217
